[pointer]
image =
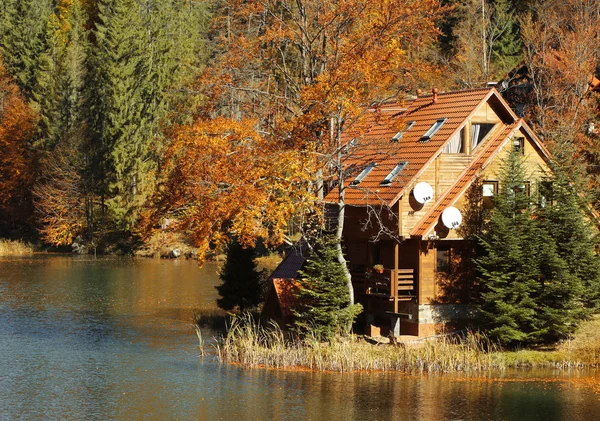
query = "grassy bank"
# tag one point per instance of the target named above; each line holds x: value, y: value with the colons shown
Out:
x: 14, y: 248
x: 583, y: 350
x: 251, y: 345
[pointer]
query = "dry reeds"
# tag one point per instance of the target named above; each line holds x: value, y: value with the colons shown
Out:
x: 252, y: 345
x: 14, y: 248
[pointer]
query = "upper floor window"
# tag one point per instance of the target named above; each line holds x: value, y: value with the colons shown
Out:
x: 519, y: 145
x: 478, y: 132
x: 489, y: 190
x: 455, y: 145
x: 546, y: 193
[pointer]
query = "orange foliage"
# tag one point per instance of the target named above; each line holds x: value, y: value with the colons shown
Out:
x: 16, y: 172
x: 286, y: 70
x: 295, y: 64
x: 222, y: 177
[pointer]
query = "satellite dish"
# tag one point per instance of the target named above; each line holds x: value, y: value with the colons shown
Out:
x: 451, y: 218
x: 423, y: 192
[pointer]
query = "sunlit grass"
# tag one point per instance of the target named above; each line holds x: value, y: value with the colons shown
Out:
x: 583, y: 350
x: 251, y: 345
x: 14, y: 248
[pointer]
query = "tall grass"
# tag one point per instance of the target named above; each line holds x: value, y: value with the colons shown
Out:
x: 251, y: 345
x: 14, y: 248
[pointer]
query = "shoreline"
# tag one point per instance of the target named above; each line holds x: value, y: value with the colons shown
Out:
x: 248, y: 345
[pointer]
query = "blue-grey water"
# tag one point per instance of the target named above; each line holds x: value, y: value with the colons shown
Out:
x: 111, y: 339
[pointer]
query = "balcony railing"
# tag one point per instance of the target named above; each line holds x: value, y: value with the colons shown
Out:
x: 397, y: 285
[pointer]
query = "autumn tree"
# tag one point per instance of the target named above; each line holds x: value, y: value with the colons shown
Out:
x: 223, y: 178
x: 561, y: 55
x: 307, y: 69
x: 63, y: 204
x: 16, y: 157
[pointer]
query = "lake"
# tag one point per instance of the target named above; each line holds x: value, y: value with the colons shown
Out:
x: 112, y: 339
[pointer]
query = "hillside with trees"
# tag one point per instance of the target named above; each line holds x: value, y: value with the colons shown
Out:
x: 123, y: 119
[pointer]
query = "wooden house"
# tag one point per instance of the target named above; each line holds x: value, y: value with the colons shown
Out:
x: 408, y: 168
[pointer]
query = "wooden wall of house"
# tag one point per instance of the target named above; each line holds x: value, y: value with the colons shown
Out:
x: 485, y: 114
x: 426, y: 283
x: 355, y: 222
x: 534, y: 163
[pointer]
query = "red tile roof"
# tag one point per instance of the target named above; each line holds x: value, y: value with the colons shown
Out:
x: 449, y: 198
x: 373, y: 142
x: 286, y: 295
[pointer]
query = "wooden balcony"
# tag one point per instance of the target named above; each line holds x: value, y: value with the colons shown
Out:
x: 392, y: 285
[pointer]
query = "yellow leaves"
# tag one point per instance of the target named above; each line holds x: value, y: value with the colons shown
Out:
x: 223, y: 178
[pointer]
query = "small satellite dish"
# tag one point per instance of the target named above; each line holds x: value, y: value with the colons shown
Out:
x: 451, y: 218
x: 423, y: 192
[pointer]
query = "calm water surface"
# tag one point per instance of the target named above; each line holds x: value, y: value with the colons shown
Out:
x: 111, y: 338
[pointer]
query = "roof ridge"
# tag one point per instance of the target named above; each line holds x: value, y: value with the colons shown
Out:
x: 458, y: 91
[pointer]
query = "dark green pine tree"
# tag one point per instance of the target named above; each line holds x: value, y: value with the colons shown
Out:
x: 140, y: 52
x: 571, y: 281
x: 324, y: 309
x: 241, y: 287
x: 23, y: 38
x: 118, y: 123
x: 509, y: 268
x: 507, y: 48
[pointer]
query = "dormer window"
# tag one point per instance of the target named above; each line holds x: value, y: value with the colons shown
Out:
x: 397, y: 169
x: 478, y: 132
x: 399, y: 135
x: 360, y: 177
x: 433, y: 130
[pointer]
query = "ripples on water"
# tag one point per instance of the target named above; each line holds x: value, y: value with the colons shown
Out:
x: 111, y: 338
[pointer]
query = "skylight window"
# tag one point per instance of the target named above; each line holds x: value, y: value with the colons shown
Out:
x: 399, y: 135
x: 433, y: 130
x: 360, y: 177
x: 397, y: 169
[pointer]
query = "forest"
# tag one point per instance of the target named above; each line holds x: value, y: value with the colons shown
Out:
x: 129, y: 123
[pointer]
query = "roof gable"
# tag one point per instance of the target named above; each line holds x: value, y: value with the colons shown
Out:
x: 483, y: 158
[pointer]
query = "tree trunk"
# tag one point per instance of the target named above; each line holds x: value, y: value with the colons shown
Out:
x: 341, y: 208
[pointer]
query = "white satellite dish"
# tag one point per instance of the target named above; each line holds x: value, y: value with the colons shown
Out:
x: 451, y: 218
x: 423, y: 192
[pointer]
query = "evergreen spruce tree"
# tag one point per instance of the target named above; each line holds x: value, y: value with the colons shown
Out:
x: 241, y: 287
x: 507, y: 49
x: 571, y: 281
x: 324, y: 309
x: 509, y: 269
x: 135, y: 63
x: 23, y: 38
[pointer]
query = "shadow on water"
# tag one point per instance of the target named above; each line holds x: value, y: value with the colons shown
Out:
x: 112, y: 338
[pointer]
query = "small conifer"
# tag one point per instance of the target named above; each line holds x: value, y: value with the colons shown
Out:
x: 241, y: 287
x: 324, y: 309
